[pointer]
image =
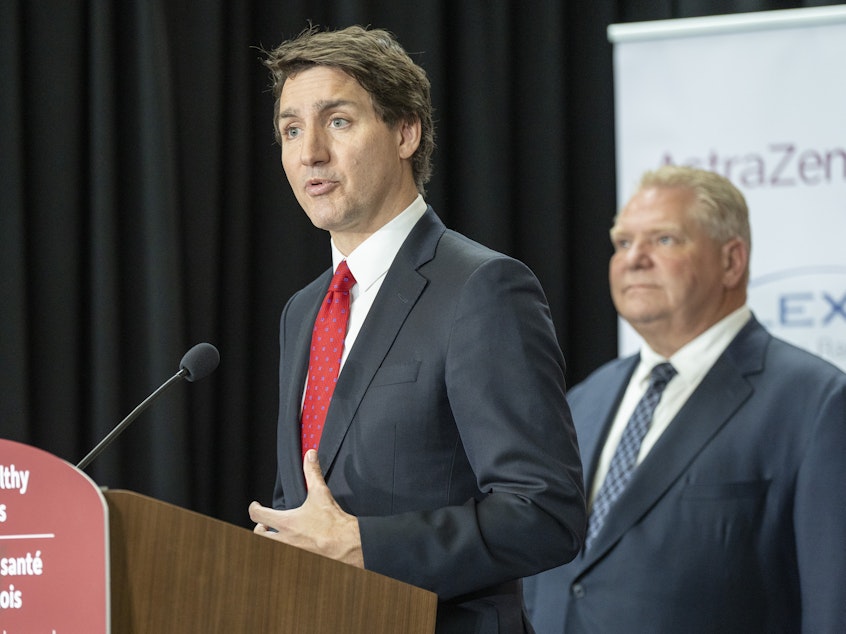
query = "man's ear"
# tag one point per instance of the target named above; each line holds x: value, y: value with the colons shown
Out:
x: 735, y: 260
x: 409, y: 137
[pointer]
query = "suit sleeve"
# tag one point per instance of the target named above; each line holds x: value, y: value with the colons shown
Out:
x: 820, y: 516
x: 504, y: 373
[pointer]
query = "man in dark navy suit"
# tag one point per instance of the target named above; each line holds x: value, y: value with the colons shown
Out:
x: 729, y: 514
x: 447, y: 458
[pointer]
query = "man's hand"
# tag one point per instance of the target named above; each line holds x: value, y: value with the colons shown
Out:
x: 319, y: 525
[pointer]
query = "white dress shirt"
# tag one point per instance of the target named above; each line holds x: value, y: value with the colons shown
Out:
x: 369, y: 263
x: 692, y: 362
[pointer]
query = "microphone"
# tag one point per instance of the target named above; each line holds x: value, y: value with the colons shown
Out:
x: 198, y: 363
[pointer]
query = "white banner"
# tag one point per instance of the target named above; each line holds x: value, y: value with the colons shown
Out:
x: 761, y: 99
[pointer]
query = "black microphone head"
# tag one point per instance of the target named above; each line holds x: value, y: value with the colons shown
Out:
x: 199, y: 362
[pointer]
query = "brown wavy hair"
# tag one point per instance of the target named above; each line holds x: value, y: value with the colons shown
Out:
x: 399, y: 88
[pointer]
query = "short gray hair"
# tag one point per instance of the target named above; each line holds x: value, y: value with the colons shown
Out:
x: 720, y: 206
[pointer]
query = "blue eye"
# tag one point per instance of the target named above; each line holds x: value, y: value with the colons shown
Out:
x: 666, y: 240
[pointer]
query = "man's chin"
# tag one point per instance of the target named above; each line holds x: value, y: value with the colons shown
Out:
x: 643, y: 320
x: 324, y: 217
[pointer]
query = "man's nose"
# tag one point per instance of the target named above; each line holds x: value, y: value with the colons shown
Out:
x: 639, y: 253
x: 314, y: 149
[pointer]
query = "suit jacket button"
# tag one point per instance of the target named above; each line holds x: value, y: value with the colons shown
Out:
x: 578, y: 590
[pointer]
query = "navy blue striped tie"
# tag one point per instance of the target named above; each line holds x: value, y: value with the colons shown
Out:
x: 625, y: 456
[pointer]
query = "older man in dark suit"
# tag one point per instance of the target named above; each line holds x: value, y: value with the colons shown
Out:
x: 717, y: 482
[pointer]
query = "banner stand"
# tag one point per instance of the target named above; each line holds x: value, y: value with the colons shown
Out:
x: 759, y: 98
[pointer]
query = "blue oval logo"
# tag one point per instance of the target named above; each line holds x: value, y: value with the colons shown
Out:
x: 805, y: 306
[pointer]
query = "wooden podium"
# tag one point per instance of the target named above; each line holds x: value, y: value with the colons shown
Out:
x: 75, y: 559
x: 174, y: 570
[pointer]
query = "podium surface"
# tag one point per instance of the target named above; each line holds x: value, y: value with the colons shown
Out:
x: 76, y: 559
x: 173, y: 570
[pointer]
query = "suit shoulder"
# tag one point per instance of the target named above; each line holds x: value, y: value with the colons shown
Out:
x: 755, y: 350
x: 802, y: 365
x: 305, y: 298
x: 599, y: 381
x: 457, y: 250
x: 456, y: 242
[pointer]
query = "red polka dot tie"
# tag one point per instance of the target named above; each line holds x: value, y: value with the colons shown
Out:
x: 324, y: 364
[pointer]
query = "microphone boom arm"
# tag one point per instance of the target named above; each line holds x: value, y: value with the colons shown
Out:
x: 183, y: 372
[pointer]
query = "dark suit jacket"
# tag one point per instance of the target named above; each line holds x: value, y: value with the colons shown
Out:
x: 736, y: 519
x: 448, y: 433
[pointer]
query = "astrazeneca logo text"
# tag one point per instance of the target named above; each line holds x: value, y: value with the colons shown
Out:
x: 776, y: 165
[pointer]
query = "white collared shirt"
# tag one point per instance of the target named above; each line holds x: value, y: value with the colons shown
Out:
x: 369, y: 263
x: 692, y: 362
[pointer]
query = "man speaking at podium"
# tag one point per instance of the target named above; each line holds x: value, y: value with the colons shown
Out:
x: 423, y: 368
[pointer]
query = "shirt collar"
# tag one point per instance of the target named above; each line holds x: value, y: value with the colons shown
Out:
x: 373, y: 257
x: 693, y: 360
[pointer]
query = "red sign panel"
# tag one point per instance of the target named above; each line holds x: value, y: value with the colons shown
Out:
x: 53, y: 545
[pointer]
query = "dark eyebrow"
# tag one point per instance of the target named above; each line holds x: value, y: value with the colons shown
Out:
x: 320, y: 106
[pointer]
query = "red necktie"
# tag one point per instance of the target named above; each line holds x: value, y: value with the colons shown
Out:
x: 324, y: 364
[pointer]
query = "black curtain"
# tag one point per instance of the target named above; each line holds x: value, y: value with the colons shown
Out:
x: 144, y: 208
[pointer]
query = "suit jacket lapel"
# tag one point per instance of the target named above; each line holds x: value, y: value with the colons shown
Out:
x: 397, y: 296
x: 722, y: 391
x: 298, y: 357
x: 592, y: 436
